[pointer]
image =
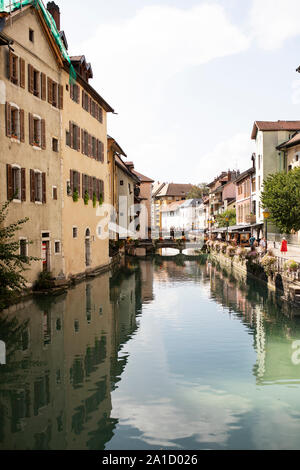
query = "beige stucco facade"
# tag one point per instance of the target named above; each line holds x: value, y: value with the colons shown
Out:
x: 44, y: 225
x: 39, y: 159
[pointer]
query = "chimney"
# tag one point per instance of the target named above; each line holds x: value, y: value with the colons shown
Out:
x: 55, y: 12
x: 229, y: 175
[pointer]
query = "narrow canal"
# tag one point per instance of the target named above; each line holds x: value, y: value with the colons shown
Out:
x: 162, y: 356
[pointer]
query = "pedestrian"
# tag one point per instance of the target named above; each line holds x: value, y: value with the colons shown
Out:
x: 283, y: 248
x: 251, y: 241
x: 262, y: 244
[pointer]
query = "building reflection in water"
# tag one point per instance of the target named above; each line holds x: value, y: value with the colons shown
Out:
x: 63, y: 362
x: 275, y: 326
x: 65, y: 355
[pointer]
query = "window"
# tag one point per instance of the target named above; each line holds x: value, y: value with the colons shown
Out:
x: 75, y: 182
x: 57, y: 248
x: 16, y: 183
x: 54, y: 193
x: 37, y: 186
x: 129, y: 188
x: 121, y: 182
x: 31, y: 35
x: 36, y: 83
x: 68, y: 141
x: 37, y: 132
x: 74, y: 93
x: 54, y: 144
x: 45, y: 234
x: 73, y: 136
x: 13, y: 65
x: 14, y: 122
x: 23, y: 247
x: 55, y: 94
x: 16, y: 180
x: 94, y: 147
x: 75, y: 232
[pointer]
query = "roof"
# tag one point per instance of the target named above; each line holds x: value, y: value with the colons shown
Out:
x: 123, y: 167
x: 191, y: 202
x: 142, y: 178
x: 274, y: 126
x: 295, y: 140
x: 156, y: 188
x: 172, y: 207
x: 117, y: 146
x: 245, y: 174
x: 174, y: 189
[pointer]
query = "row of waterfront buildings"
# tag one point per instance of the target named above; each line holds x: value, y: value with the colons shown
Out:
x: 58, y: 165
x: 277, y: 149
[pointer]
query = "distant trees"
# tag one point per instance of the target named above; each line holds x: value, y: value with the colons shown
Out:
x: 12, y: 263
x: 198, y: 191
x: 281, y: 196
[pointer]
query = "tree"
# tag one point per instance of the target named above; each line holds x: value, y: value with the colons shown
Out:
x: 198, y: 191
x: 281, y: 196
x: 12, y: 264
x: 221, y: 218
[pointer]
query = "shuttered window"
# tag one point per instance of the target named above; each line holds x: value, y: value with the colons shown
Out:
x: 22, y: 72
x: 75, y: 181
x: 37, y: 186
x: 16, y: 183
x: 13, y: 68
x: 14, y: 118
x: 43, y: 87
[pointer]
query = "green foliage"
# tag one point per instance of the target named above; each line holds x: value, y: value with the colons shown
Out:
x: 86, y: 198
x: 75, y: 195
x: 94, y: 199
x: 281, y: 195
x: 221, y: 218
x: 197, y: 192
x: 12, y: 264
x: 100, y: 199
x: 44, y: 281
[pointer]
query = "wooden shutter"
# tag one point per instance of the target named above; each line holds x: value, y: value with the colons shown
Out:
x: 30, y: 78
x: 82, y: 141
x: 102, y: 152
x: 78, y: 138
x: 9, y: 65
x: 100, y: 114
x: 9, y: 181
x: 83, y: 185
x: 50, y: 94
x: 71, y: 133
x: 43, y: 133
x: 30, y: 116
x: 90, y: 187
x: 102, y: 189
x: 71, y: 181
x: 23, y: 184
x: 90, y: 146
x: 77, y: 94
x: 8, y: 119
x: 71, y: 91
x: 90, y: 104
x: 44, y: 187
x: 82, y: 97
x: 78, y: 182
x: 43, y: 87
x: 60, y: 96
x: 22, y: 73
x: 22, y: 130
x: 32, y: 186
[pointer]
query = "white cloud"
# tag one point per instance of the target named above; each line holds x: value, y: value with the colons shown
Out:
x: 134, y: 60
x: 274, y: 21
x: 234, y: 153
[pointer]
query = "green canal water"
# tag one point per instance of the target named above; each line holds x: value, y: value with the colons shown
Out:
x: 162, y: 356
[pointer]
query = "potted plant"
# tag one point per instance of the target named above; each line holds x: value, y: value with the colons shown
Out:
x: 100, y: 199
x: 269, y: 264
x: 291, y: 266
x: 75, y: 195
x: 94, y: 199
x: 86, y: 197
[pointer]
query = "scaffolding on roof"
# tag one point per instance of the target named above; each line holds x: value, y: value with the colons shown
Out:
x: 8, y: 6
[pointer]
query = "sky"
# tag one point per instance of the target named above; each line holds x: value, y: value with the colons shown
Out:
x: 188, y: 78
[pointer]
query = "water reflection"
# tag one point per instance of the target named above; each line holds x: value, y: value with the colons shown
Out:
x: 165, y: 354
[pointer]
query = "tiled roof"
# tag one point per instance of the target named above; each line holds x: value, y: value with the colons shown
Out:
x: 174, y: 189
x: 142, y: 178
x: 295, y: 140
x: 274, y: 126
x: 245, y: 174
x: 172, y: 207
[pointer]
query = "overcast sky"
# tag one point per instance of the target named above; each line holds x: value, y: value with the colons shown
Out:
x: 188, y: 77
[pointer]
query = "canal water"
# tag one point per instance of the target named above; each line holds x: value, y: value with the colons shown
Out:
x: 164, y: 355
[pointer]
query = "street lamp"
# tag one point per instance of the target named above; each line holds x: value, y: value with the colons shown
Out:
x: 209, y: 221
x: 227, y: 225
x: 266, y: 214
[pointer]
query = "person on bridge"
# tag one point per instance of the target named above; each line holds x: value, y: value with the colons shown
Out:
x: 283, y: 248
